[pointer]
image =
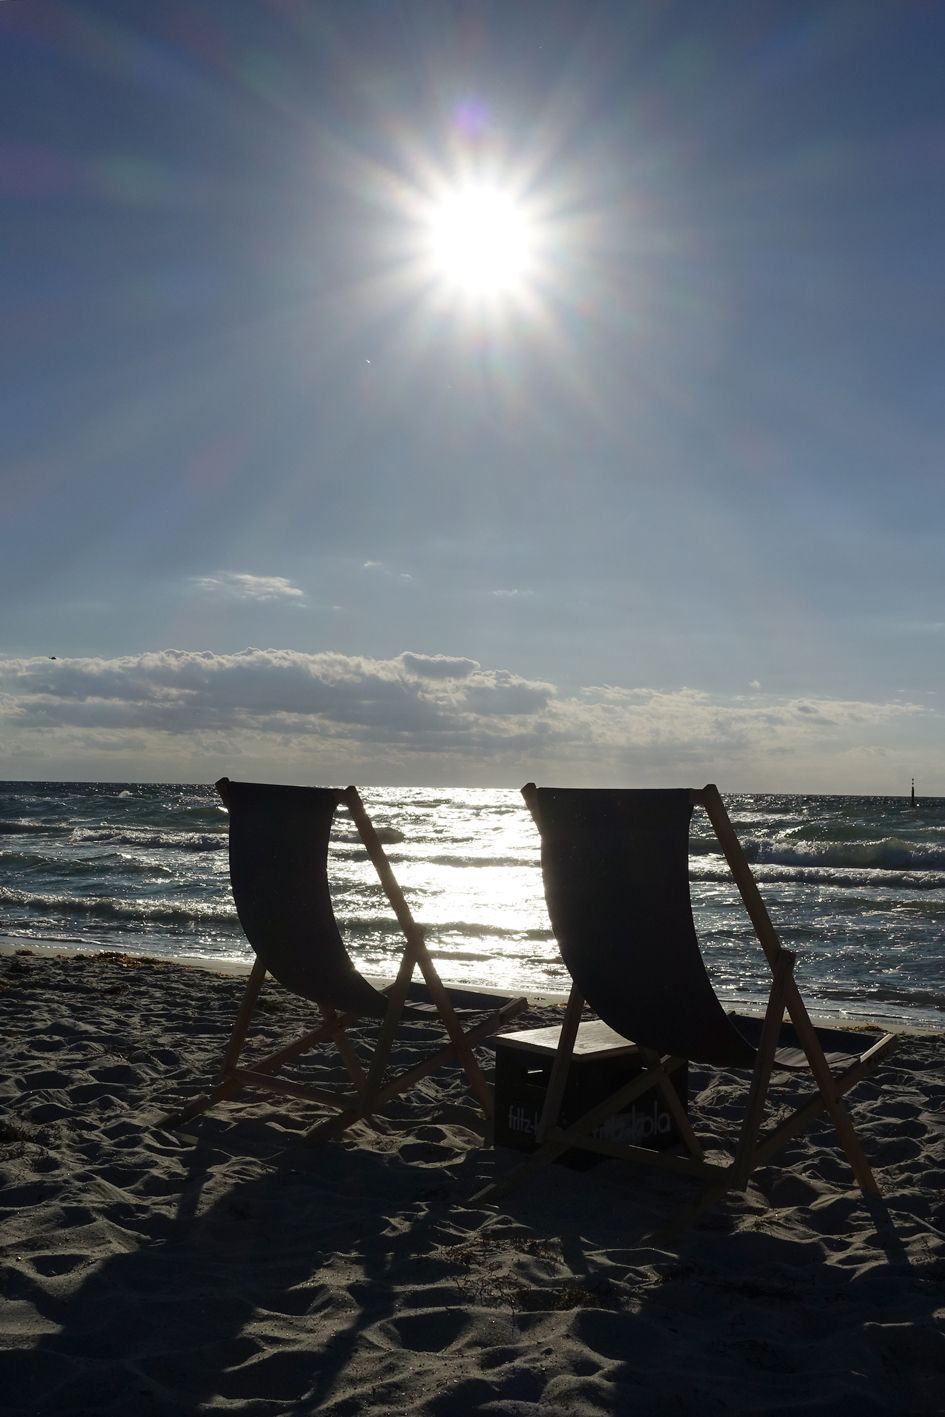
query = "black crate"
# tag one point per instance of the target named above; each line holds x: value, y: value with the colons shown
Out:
x: 602, y: 1062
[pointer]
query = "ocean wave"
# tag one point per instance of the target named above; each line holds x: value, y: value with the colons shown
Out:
x: 147, y: 840
x: 208, y: 912
x: 362, y: 925
x: 109, y: 908
x: 26, y: 828
x: 890, y: 853
x: 832, y: 876
x: 387, y: 836
x: 81, y: 872
x: 458, y: 860
x: 485, y: 931
x: 492, y: 862
x: 24, y: 861
x: 904, y: 996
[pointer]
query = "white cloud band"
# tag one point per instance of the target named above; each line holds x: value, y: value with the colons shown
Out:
x: 384, y: 716
x: 240, y: 585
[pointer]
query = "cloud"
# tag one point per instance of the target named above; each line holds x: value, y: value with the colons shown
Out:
x: 505, y: 693
x: 240, y: 585
x: 381, y: 568
x: 513, y: 593
x: 438, y: 666
x: 414, y: 717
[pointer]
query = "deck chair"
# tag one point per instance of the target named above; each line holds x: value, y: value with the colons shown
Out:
x: 279, y: 875
x: 616, y: 873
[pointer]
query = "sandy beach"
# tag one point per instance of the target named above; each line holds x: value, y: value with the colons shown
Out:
x: 230, y: 1268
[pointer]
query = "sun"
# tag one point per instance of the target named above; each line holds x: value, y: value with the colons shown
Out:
x: 481, y: 241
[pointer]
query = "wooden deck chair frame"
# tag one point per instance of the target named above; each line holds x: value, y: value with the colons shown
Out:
x: 371, y: 1088
x: 753, y: 1147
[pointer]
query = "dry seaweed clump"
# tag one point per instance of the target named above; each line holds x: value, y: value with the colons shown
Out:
x: 493, y: 1274
x: 14, y: 1138
x: 124, y: 961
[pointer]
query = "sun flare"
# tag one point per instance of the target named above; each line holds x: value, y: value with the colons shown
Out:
x: 481, y: 242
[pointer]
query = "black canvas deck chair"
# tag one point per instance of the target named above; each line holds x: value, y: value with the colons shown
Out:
x: 279, y: 874
x: 616, y: 874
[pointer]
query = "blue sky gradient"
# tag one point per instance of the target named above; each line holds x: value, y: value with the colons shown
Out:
x: 281, y: 507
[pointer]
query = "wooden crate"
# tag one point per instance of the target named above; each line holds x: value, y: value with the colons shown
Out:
x: 602, y: 1061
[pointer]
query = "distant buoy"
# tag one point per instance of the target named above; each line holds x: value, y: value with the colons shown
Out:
x: 913, y: 792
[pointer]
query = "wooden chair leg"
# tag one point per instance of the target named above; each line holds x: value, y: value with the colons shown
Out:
x: 815, y: 1106
x: 241, y: 1025
x: 676, y: 1110
x: 416, y: 953
x: 743, y: 1163
x: 231, y: 1083
x: 827, y: 1087
x: 768, y: 938
x: 561, y: 1065
x: 226, y: 1087
x: 345, y: 1047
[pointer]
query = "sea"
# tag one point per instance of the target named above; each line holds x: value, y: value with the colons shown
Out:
x: 855, y: 886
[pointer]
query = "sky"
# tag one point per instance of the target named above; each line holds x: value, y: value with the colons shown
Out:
x: 288, y: 495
